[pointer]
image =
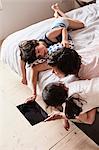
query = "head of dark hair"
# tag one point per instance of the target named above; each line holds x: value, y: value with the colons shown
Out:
x: 27, y: 50
x: 54, y: 94
x: 66, y: 60
x: 73, y: 106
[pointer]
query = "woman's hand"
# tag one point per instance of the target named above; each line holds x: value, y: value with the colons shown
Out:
x: 59, y: 115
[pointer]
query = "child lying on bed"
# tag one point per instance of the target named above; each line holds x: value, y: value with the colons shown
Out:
x: 65, y: 62
x: 34, y: 52
x: 81, y: 98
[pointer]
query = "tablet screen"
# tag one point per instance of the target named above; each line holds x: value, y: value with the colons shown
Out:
x: 33, y: 112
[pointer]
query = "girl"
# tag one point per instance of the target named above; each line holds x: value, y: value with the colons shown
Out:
x: 86, y: 66
x: 34, y: 52
x: 81, y: 98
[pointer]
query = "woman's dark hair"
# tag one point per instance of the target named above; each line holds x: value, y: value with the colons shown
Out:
x: 73, y: 106
x: 27, y: 50
x: 66, y: 60
x: 54, y: 94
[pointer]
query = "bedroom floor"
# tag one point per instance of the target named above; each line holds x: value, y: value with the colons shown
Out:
x: 17, y: 133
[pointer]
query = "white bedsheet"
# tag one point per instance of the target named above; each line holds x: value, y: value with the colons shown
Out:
x: 83, y: 38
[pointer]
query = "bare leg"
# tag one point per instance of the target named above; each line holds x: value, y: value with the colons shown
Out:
x: 57, y: 11
x: 55, y: 7
x: 73, y: 23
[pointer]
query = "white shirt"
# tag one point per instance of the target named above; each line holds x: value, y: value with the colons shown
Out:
x: 89, y: 69
x: 88, y: 90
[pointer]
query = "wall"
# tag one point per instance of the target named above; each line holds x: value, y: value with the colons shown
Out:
x: 18, y: 14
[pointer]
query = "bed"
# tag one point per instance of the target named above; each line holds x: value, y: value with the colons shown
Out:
x: 85, y: 40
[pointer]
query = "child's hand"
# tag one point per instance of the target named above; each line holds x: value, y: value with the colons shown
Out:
x: 65, y: 43
x: 59, y: 115
x: 31, y: 99
x: 66, y: 124
x: 24, y: 81
x: 54, y: 115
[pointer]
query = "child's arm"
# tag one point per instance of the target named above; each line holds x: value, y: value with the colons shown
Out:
x: 23, y: 71
x: 35, y: 72
x: 65, y: 42
x: 34, y: 81
x: 59, y: 115
x: 56, y: 32
x: 87, y: 117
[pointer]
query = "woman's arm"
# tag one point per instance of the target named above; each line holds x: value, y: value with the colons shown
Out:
x: 87, y: 117
x: 23, y: 71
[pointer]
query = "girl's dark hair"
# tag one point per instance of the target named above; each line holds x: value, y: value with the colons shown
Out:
x: 65, y: 59
x: 54, y: 94
x: 27, y: 50
x: 73, y: 106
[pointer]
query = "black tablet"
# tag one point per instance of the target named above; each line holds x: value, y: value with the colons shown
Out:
x: 33, y: 112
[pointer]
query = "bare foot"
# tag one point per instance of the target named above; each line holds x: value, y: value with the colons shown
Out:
x: 55, y: 8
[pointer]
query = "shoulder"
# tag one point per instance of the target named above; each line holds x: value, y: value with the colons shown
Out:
x: 79, y: 86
